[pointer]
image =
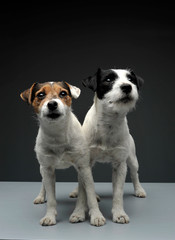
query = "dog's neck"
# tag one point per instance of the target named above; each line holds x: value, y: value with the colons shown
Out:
x: 111, y: 124
x: 56, y: 128
x: 111, y: 127
x: 107, y: 116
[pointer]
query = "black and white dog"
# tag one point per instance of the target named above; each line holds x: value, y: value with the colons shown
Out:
x: 106, y: 130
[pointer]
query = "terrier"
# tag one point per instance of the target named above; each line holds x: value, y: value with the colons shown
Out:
x: 60, y: 143
x: 107, y: 133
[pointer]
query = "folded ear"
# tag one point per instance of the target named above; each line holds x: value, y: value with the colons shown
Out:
x: 91, y: 82
x: 140, y: 82
x: 29, y: 94
x: 75, y: 91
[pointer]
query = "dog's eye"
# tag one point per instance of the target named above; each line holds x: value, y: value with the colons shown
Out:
x: 108, y: 80
x: 41, y: 95
x: 133, y: 80
x: 63, y: 94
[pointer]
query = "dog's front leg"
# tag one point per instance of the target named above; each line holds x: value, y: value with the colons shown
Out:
x: 49, y: 184
x: 118, y: 180
x: 96, y: 217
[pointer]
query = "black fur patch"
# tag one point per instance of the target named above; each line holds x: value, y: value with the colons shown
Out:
x: 35, y: 88
x: 91, y: 82
x: 105, y: 81
x: 101, y: 82
x: 65, y: 85
x: 138, y: 81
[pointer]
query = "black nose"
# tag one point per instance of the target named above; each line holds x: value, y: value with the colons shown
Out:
x: 52, y: 105
x: 126, y: 88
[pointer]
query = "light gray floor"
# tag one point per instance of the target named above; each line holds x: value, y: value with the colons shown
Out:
x: 150, y: 218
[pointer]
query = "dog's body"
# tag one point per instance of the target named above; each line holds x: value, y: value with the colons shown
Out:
x: 60, y: 144
x: 107, y: 133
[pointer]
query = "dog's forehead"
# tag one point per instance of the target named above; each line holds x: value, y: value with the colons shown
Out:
x: 121, y: 73
x: 109, y: 73
x: 50, y: 86
x: 115, y: 74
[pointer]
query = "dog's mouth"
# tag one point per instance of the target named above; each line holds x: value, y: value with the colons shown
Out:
x: 53, y: 115
x: 125, y: 99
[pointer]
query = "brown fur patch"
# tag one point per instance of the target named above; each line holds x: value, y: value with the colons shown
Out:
x: 67, y: 99
x: 27, y: 95
x: 51, y: 91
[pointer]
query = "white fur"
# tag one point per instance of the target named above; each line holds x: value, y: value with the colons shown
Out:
x: 62, y: 109
x: 75, y: 91
x: 113, y: 96
x: 107, y: 133
x: 60, y: 144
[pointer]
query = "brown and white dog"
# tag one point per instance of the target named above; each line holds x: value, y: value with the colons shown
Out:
x: 60, y: 144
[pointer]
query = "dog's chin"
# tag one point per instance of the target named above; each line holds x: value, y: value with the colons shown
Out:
x: 122, y: 105
x: 125, y: 100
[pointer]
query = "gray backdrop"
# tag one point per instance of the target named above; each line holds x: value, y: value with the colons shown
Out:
x: 69, y: 44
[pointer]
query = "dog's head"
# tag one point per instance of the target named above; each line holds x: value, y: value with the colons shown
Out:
x: 50, y: 100
x: 117, y: 89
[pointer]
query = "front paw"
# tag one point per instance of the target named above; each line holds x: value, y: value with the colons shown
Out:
x: 97, y: 219
x: 48, y: 220
x: 120, y: 217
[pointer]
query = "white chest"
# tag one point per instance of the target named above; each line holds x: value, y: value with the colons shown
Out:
x: 52, y: 152
x: 109, y: 142
x: 103, y: 154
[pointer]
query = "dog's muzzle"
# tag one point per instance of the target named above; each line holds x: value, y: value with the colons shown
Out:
x: 53, y: 110
x: 126, y: 89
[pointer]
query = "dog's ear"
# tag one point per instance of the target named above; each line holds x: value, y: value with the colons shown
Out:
x: 75, y: 91
x: 140, y: 82
x: 91, y: 82
x: 29, y: 94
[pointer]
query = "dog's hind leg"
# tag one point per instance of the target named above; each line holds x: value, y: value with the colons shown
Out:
x: 42, y: 194
x: 134, y: 166
x: 74, y: 194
